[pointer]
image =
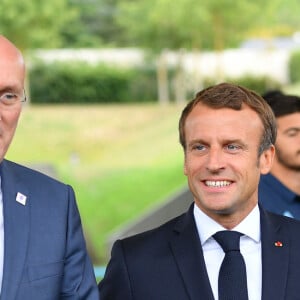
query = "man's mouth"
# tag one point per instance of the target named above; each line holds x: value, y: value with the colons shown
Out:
x: 217, y: 183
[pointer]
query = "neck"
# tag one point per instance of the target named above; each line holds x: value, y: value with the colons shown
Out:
x: 288, y: 177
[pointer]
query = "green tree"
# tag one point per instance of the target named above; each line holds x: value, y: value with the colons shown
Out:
x: 209, y: 24
x: 96, y: 27
x: 35, y: 23
x: 281, y: 18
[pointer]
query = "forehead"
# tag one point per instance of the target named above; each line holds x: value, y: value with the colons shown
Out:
x: 12, y: 67
x: 291, y: 120
x: 204, y: 121
x: 12, y: 74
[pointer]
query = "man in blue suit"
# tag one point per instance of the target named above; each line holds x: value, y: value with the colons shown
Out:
x: 228, y: 134
x: 279, y: 190
x: 42, y: 248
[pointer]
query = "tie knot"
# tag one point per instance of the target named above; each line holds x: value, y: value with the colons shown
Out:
x: 228, y: 240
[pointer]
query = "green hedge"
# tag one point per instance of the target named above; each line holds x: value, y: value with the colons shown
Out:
x: 77, y: 82
x: 259, y: 84
x: 294, y: 67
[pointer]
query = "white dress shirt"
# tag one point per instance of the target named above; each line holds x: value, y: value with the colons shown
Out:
x: 1, y: 237
x: 250, y: 246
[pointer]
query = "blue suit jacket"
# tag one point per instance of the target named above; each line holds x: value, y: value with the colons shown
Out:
x: 167, y: 263
x: 275, y: 197
x: 45, y: 255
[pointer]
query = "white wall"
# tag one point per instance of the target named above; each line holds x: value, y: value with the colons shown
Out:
x: 229, y: 63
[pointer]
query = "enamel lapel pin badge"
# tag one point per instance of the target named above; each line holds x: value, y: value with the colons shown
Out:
x: 21, y: 198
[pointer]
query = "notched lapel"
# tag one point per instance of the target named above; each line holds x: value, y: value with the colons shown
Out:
x: 275, y: 258
x: 16, y: 233
x: 187, y: 251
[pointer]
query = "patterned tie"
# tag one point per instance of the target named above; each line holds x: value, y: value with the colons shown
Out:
x: 232, y: 275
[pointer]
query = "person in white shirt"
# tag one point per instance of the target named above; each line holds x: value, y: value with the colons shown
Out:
x: 227, y: 133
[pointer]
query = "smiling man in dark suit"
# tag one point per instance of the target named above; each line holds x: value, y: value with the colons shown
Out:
x: 228, y: 134
x: 42, y: 248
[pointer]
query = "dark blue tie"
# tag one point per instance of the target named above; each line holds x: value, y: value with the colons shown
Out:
x: 232, y: 276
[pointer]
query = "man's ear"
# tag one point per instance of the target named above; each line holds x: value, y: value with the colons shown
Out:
x: 266, y: 160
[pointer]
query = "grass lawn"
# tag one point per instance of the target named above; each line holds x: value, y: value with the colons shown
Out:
x: 120, y: 159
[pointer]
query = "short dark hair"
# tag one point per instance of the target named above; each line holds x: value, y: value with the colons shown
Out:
x: 282, y: 104
x: 227, y: 95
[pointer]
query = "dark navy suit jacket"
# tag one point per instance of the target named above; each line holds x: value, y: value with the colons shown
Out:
x: 45, y: 256
x: 277, y: 198
x: 167, y: 263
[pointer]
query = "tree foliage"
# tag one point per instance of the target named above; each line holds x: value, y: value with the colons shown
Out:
x: 155, y: 24
x: 209, y: 24
x: 96, y: 26
x: 35, y: 23
x: 278, y: 18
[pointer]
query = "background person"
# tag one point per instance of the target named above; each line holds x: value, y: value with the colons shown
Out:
x: 227, y: 133
x: 279, y: 191
x: 42, y: 247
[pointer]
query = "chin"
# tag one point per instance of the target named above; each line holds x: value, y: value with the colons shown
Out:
x: 223, y: 210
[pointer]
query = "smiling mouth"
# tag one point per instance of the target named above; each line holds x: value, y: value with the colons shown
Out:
x: 217, y: 183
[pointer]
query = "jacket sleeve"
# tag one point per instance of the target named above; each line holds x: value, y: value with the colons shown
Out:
x: 79, y: 280
x: 116, y: 282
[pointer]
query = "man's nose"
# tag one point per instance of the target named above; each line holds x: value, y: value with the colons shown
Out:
x: 215, y: 160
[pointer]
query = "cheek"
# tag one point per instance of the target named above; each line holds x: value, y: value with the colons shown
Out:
x: 10, y: 119
x: 192, y: 166
x: 282, y: 142
x: 185, y: 169
x: 187, y: 166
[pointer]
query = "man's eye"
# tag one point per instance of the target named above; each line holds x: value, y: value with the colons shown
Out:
x: 232, y: 147
x: 199, y: 147
x: 8, y: 96
x: 293, y: 132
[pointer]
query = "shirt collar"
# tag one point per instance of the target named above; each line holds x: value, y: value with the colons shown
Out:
x: 207, y: 227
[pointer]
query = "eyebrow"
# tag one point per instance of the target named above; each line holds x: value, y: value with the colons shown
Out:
x: 225, y: 141
x: 10, y: 88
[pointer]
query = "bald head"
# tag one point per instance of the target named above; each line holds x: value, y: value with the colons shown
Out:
x: 7, y: 46
x: 12, y: 75
x: 9, y: 53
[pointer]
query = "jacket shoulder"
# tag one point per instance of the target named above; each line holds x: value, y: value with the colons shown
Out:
x: 281, y: 220
x: 26, y: 173
x: 154, y: 240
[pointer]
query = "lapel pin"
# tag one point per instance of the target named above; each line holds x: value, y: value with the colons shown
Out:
x: 21, y: 198
x: 278, y: 244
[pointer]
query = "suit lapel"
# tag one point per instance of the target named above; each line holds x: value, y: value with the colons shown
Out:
x: 187, y: 251
x: 16, y: 231
x: 275, y: 258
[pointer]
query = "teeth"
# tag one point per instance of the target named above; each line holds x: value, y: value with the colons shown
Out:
x: 217, y: 183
